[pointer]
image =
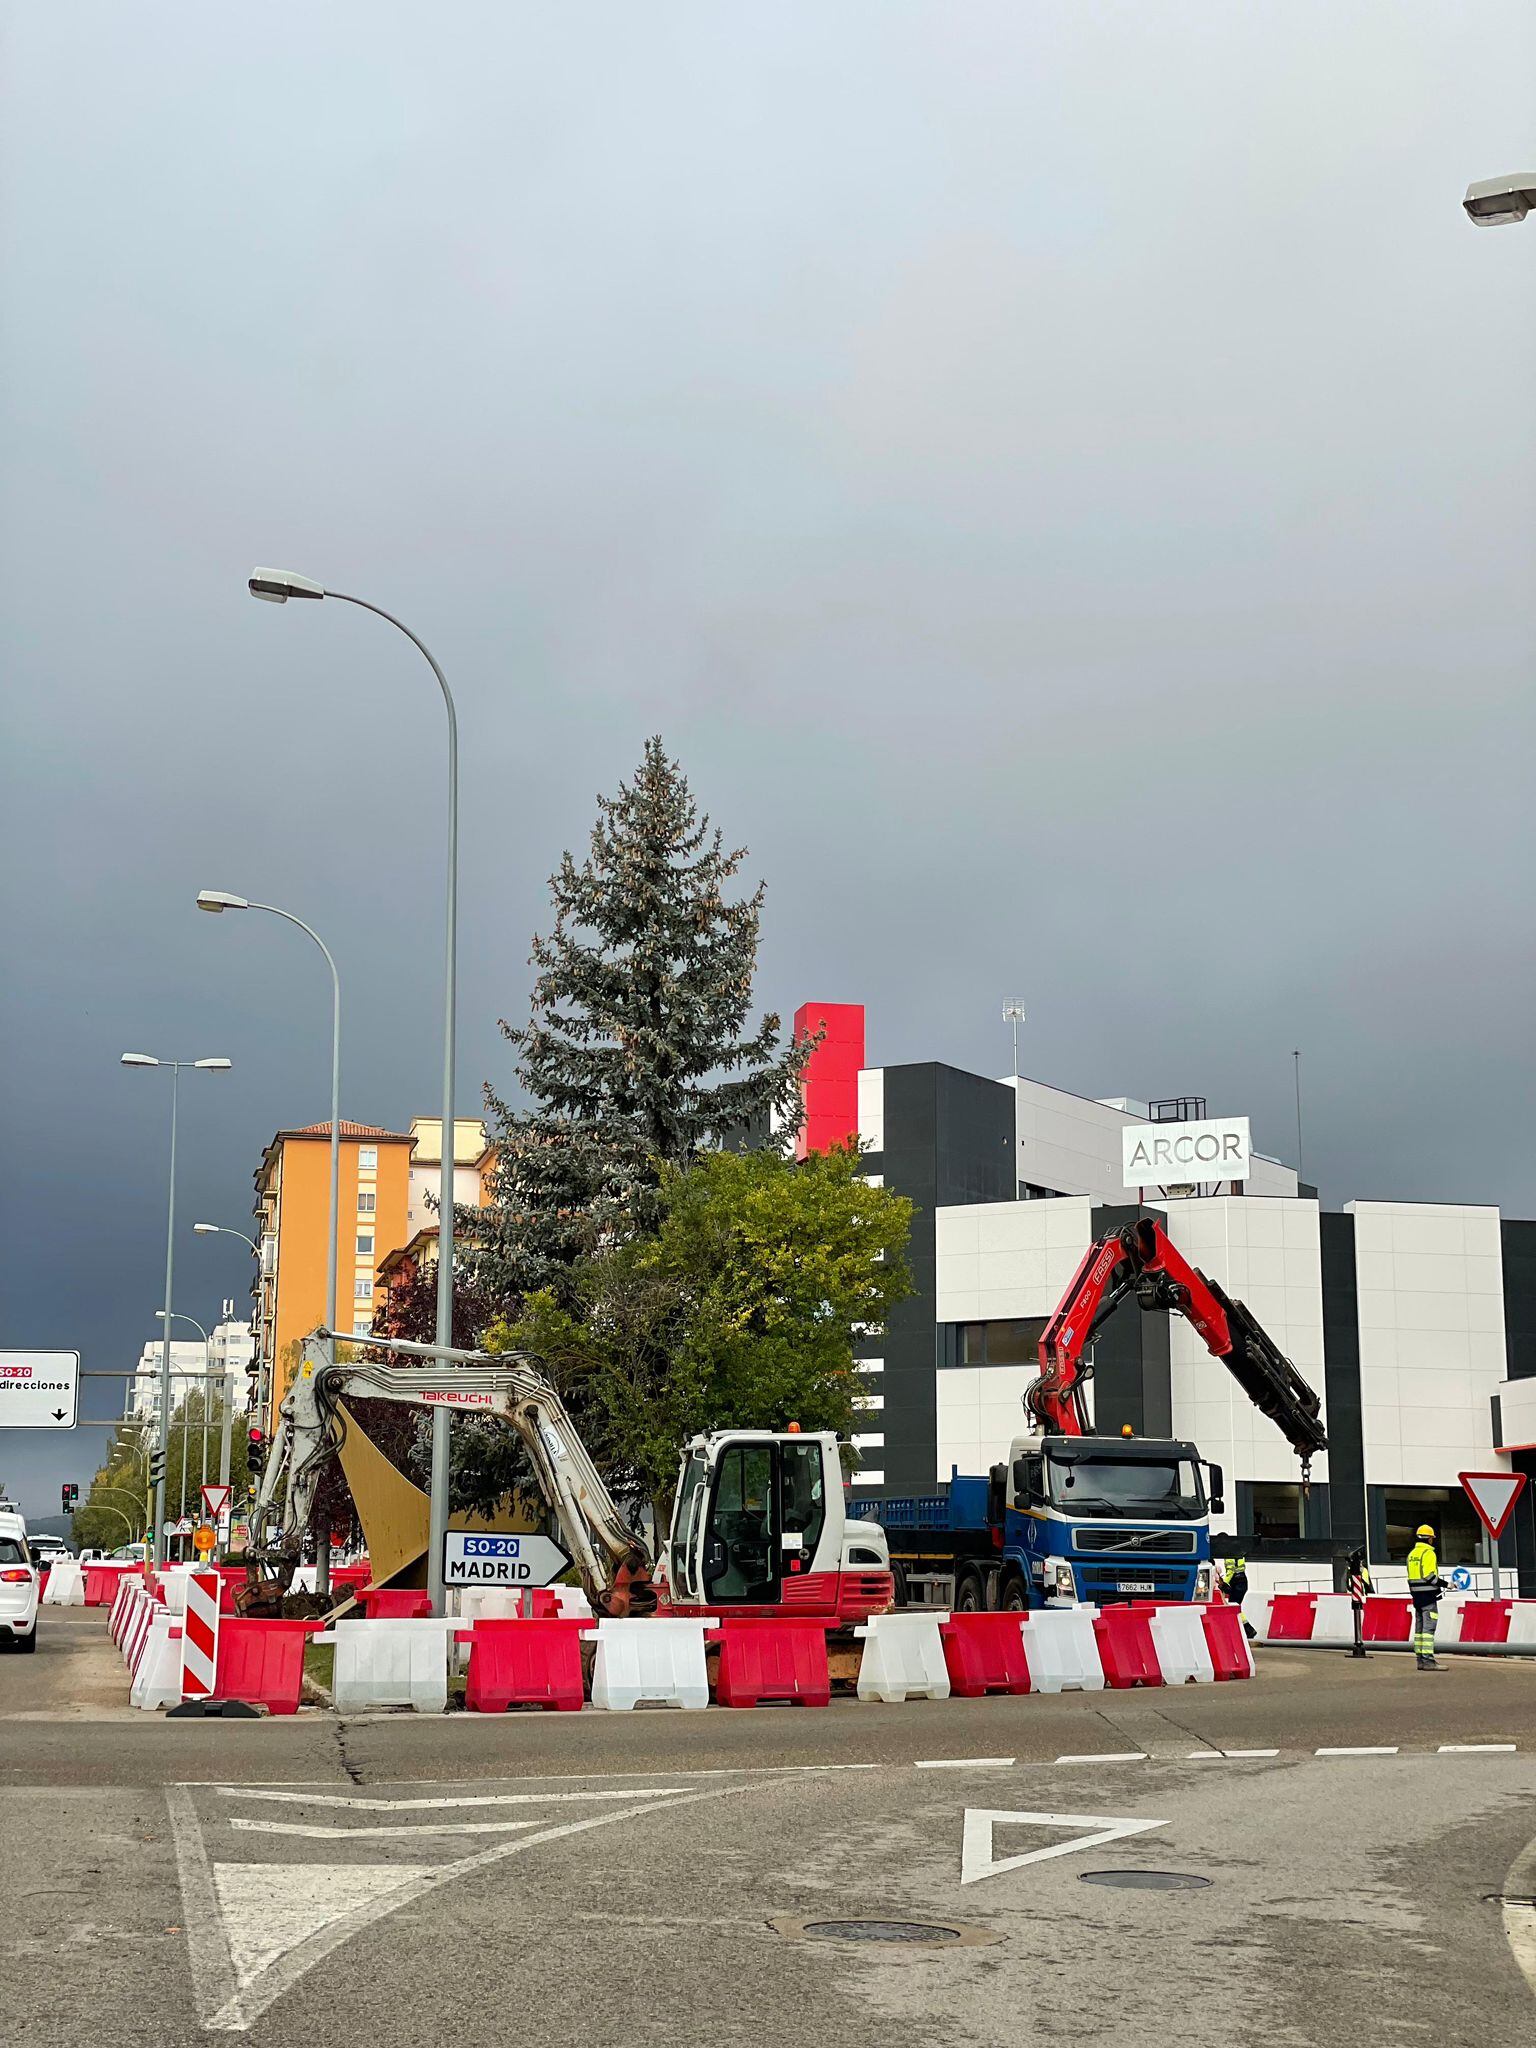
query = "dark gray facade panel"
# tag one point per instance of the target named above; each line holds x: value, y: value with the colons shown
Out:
x: 948, y: 1140
x: 1341, y: 1384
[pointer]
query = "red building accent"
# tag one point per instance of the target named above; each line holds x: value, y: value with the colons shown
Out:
x: 830, y: 1086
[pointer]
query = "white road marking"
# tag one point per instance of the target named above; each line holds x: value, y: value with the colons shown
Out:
x: 1206, y: 1756
x: 1231, y: 1754
x: 1476, y: 1749
x: 1520, y: 1921
x: 234, y: 1986
x: 977, y: 1860
x: 965, y: 1763
x: 424, y: 1805
x: 1347, y: 1751
x: 423, y: 1827
x: 1108, y: 1756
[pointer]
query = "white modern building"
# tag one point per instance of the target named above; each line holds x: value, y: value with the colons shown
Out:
x: 231, y: 1349
x: 1414, y: 1322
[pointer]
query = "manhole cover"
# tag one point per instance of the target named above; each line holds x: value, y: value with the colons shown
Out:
x: 879, y: 1930
x: 905, y: 1933
x: 1147, y: 1880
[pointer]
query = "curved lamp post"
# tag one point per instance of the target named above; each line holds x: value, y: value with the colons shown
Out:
x: 213, y: 1066
x: 226, y: 1421
x: 276, y: 586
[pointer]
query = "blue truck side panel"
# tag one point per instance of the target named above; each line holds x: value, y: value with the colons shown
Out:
x: 1122, y: 1560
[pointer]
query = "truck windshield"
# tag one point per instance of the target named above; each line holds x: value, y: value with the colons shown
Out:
x: 1167, y: 1488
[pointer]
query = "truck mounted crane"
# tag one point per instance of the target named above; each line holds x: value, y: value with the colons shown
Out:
x: 758, y: 1527
x: 1075, y: 1517
x: 1140, y: 1259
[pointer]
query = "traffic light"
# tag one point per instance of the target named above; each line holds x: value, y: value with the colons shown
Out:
x: 255, y: 1451
x: 156, y: 1466
x: 71, y: 1495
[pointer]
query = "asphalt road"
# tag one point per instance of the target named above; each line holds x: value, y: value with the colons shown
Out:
x: 635, y: 1879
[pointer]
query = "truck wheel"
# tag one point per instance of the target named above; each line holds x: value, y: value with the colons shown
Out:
x: 899, y: 1585
x: 970, y: 1594
x: 1015, y: 1595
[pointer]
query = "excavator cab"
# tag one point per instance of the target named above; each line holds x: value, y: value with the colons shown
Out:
x: 758, y: 1526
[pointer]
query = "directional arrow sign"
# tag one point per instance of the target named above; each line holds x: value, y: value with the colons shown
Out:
x: 1091, y: 1830
x: 1493, y: 1495
x: 37, y: 1389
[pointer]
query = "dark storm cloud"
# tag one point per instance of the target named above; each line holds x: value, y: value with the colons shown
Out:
x: 1059, y: 476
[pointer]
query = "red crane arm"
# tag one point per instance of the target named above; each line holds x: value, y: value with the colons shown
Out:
x: 1141, y: 1258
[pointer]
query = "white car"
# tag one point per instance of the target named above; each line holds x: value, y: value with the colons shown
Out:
x: 18, y: 1585
x: 47, y: 1549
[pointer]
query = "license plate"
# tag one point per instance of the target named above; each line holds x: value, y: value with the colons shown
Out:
x: 1137, y: 1586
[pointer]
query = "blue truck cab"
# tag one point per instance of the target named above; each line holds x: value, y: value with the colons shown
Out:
x: 1068, y: 1519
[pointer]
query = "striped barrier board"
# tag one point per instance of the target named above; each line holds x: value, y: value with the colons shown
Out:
x: 200, y: 1636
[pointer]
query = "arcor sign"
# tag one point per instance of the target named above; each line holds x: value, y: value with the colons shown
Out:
x: 1160, y: 1155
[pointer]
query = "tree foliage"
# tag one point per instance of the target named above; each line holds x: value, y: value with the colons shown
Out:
x: 637, y: 1054
x: 739, y: 1312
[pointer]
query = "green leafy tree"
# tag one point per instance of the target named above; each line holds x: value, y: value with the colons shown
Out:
x: 637, y: 1055
x: 739, y: 1312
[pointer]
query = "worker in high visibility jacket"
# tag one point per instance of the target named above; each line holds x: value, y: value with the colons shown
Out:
x: 1424, y: 1589
x: 1234, y: 1587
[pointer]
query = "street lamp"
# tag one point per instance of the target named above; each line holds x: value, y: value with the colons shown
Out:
x: 179, y: 1317
x: 1013, y: 1013
x: 276, y: 586
x: 218, y: 901
x: 1499, y: 202
x: 226, y: 1421
x: 213, y: 1066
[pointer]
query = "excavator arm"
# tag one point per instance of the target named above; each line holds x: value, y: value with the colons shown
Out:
x: 1140, y: 1259
x: 614, y: 1564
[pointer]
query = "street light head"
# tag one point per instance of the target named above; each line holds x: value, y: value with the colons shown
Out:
x: 1497, y: 202
x: 276, y: 586
x: 220, y: 899
x: 215, y: 1066
x: 139, y: 1059
x: 205, y: 1229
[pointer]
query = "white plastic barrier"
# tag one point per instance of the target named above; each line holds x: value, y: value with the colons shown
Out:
x: 573, y: 1601
x: 173, y: 1584
x: 1183, y: 1654
x: 142, y: 1612
x: 1522, y: 1625
x: 660, y: 1659
x: 1333, y: 1621
x: 157, y: 1676
x: 483, y: 1603
x: 391, y: 1663
x: 903, y: 1658
x: 1062, y: 1649
x: 120, y: 1603
x: 66, y: 1584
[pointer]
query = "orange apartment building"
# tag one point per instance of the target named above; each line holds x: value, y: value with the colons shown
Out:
x: 386, y: 1225
x: 292, y: 1210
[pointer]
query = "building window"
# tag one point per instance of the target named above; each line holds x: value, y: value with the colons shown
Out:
x: 1016, y: 1342
x: 362, y: 1328
x: 362, y: 1290
x: 367, y: 1158
x: 364, y: 1241
x: 367, y: 1201
x: 1276, y: 1512
x: 1458, y: 1533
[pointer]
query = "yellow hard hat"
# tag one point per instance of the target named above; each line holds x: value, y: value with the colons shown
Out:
x: 1424, y: 1530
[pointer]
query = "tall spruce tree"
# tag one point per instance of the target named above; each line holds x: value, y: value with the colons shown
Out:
x: 633, y: 1057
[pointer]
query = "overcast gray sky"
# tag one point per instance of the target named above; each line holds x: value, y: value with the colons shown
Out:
x: 1059, y: 475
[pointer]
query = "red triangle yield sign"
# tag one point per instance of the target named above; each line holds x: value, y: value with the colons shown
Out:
x: 1493, y: 1495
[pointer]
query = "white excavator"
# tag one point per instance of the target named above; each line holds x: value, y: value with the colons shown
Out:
x: 759, y: 1525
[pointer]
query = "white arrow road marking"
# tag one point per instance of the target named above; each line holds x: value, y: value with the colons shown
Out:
x: 237, y: 1972
x: 420, y: 1827
x: 421, y: 1805
x: 977, y: 1860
